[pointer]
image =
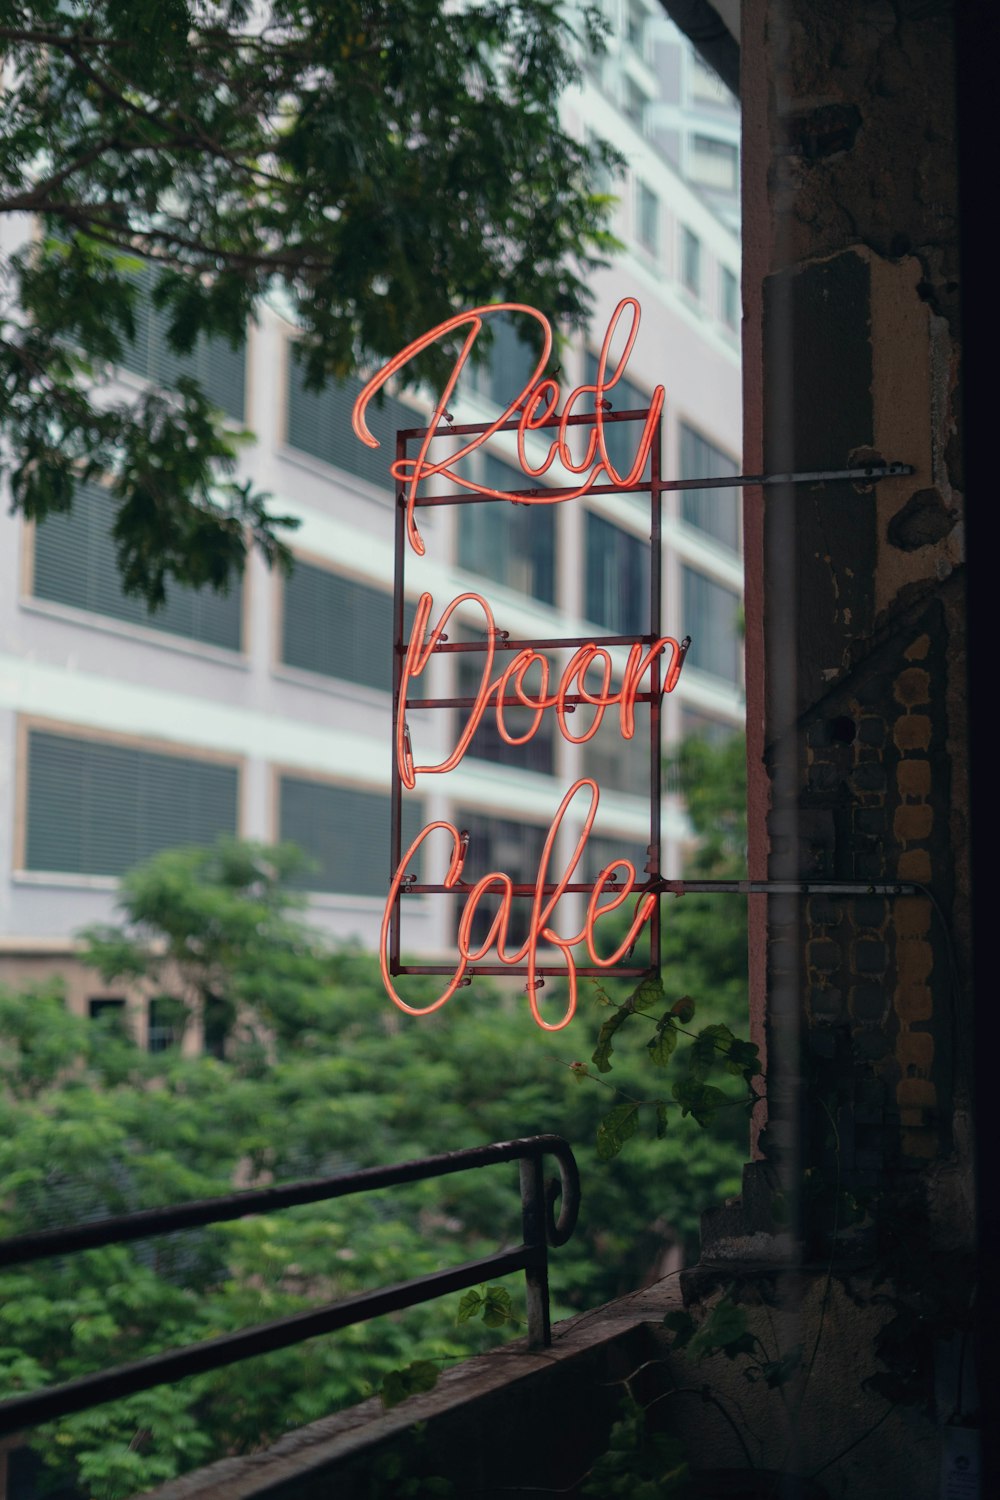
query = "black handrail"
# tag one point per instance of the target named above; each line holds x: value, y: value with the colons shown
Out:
x: 540, y: 1228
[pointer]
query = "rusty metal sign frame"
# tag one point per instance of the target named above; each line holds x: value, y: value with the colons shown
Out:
x: 654, y: 487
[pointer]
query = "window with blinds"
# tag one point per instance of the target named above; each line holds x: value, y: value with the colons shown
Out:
x: 75, y: 564
x: 616, y: 764
x: 716, y: 512
x: 601, y: 850
x: 338, y: 627
x: 94, y: 808
x: 345, y: 832
x: 536, y: 754
x: 621, y: 438
x: 691, y: 261
x: 500, y: 844
x: 617, y: 578
x: 218, y: 368
x: 712, y: 619
x: 319, y: 423
x: 510, y: 362
x: 513, y: 545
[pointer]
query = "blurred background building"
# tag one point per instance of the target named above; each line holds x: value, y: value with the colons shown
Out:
x: 266, y: 713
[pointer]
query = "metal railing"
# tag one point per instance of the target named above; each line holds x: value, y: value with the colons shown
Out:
x: 540, y: 1228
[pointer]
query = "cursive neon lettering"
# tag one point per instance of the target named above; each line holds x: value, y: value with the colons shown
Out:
x: 543, y: 908
x: 537, y: 401
x: 572, y: 682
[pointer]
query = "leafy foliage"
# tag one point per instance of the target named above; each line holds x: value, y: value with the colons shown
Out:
x: 372, y: 163
x: 320, y: 1075
x: 640, y: 1463
x: 704, y: 943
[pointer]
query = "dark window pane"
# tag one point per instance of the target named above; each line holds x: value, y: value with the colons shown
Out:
x: 510, y: 363
x: 513, y: 545
x: 219, y: 368
x: 691, y: 261
x: 161, y: 1033
x: 338, y: 627
x: 602, y: 850
x: 500, y: 844
x: 712, y: 619
x: 617, y: 578
x: 616, y: 764
x: 537, y: 754
x: 97, y: 809
x: 716, y: 512
x: 695, y: 725
x: 345, y: 831
x: 621, y: 438
x: 319, y: 422
x: 75, y: 564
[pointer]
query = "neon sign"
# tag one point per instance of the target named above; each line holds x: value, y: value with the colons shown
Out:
x: 651, y: 669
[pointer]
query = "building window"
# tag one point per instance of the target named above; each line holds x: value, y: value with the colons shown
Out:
x: 648, y: 216
x: 634, y: 102
x: 715, y: 163
x: 712, y: 618
x: 500, y: 844
x: 706, y: 85
x: 218, y: 368
x: 616, y: 764
x: 75, y: 563
x: 635, y: 26
x: 699, y: 726
x: 621, y: 438
x: 345, y: 832
x: 510, y: 360
x: 603, y: 179
x: 716, y: 512
x: 161, y: 1030
x: 338, y: 627
x: 513, y: 545
x: 617, y: 578
x: 691, y: 261
x: 536, y: 754
x: 602, y: 850
x: 108, y: 1012
x: 95, y: 808
x: 319, y: 423
x: 730, y: 299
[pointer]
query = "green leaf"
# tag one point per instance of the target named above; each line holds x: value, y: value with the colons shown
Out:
x: 497, y: 1309
x: 469, y: 1306
x: 701, y: 1100
x: 648, y: 993
x: 421, y: 1375
x: 724, y: 1330
x: 681, y: 1325
x: 708, y: 1049
x: 618, y: 1126
x: 662, y: 1045
x: 661, y: 1119
x: 683, y: 1009
x: 603, y: 1050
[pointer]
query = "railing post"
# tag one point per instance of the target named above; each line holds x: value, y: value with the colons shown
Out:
x: 536, y: 1274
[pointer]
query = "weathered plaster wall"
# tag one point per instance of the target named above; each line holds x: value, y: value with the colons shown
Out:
x: 857, y: 713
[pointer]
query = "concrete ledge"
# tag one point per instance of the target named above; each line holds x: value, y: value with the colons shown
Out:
x: 504, y: 1419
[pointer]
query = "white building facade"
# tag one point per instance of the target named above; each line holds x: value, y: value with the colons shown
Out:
x: 267, y: 713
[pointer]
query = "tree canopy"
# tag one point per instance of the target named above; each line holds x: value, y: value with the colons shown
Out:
x: 321, y: 1075
x: 375, y: 161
